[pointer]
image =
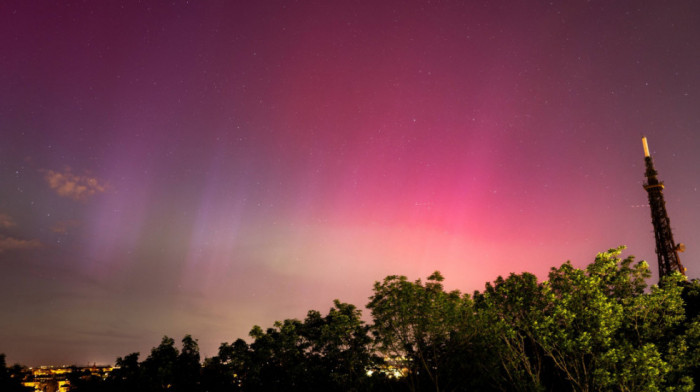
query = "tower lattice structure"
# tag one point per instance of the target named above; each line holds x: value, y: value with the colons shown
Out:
x: 666, y: 249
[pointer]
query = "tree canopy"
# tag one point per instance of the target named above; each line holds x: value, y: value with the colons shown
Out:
x: 598, y: 328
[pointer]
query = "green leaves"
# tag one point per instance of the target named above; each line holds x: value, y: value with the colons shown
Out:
x: 510, y: 312
x: 598, y: 328
x: 422, y: 323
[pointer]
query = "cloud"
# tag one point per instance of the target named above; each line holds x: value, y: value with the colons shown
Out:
x: 11, y: 243
x: 63, y: 227
x: 6, y: 221
x: 76, y: 187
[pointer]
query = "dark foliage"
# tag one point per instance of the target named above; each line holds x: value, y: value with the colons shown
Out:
x: 601, y: 328
x: 11, y: 378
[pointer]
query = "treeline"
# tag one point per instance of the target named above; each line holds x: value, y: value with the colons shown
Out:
x: 602, y: 328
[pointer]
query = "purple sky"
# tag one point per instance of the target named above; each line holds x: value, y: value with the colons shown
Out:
x: 202, y: 167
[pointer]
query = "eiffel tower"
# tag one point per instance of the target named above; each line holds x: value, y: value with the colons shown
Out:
x: 666, y: 249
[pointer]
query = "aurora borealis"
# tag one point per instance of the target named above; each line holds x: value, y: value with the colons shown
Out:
x: 201, y: 167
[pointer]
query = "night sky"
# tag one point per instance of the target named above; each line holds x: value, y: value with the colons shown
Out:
x: 202, y: 167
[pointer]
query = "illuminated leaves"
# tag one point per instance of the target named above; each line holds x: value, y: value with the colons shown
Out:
x: 597, y: 328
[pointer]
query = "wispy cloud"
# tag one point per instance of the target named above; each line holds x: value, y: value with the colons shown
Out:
x: 63, y: 227
x: 73, y: 186
x: 11, y: 243
x: 6, y: 221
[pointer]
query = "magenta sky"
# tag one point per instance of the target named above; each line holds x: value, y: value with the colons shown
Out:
x: 201, y: 168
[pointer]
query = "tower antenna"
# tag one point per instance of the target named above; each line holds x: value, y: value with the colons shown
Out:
x: 666, y: 249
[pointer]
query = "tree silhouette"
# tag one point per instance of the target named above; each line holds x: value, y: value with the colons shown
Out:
x: 600, y: 328
x: 187, y: 367
x: 11, y: 379
x: 428, y: 328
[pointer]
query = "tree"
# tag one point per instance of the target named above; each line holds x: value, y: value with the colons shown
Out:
x: 160, y: 366
x: 227, y: 370
x: 604, y: 331
x: 127, y: 375
x: 82, y: 380
x: 508, y: 313
x: 331, y: 352
x: 277, y: 359
x: 580, y: 326
x: 424, y: 325
x: 600, y: 328
x: 10, y: 379
x: 187, y: 367
x: 592, y: 329
x: 650, y: 351
x: 339, y: 348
